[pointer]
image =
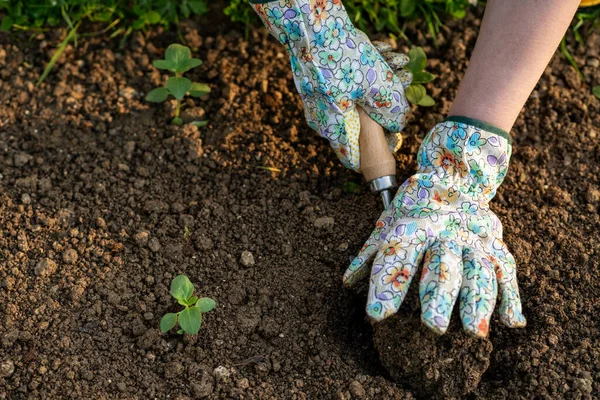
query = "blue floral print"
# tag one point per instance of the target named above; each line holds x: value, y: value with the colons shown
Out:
x: 337, y: 65
x: 453, y: 234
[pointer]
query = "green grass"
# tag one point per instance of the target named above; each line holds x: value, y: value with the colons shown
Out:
x: 378, y: 15
x: 119, y: 17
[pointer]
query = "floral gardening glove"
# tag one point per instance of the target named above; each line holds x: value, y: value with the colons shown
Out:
x: 335, y: 69
x: 440, y: 217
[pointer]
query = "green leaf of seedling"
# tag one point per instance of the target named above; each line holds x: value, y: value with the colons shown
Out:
x: 426, y: 101
x: 199, y: 124
x: 181, y: 287
x: 7, y: 23
x: 422, y: 77
x: 407, y: 8
x: 205, y: 304
x: 190, y: 320
x: 138, y: 23
x: 186, y: 65
x: 351, y: 187
x: 178, y: 86
x: 414, y: 93
x: 168, y: 322
x: 596, y: 91
x: 192, y: 300
x: 418, y: 60
x: 157, y: 95
x: 199, y: 89
x: 198, y: 6
x: 180, y: 331
x: 177, y: 121
x: 165, y: 64
x: 177, y: 53
x: 152, y: 17
x: 182, y: 302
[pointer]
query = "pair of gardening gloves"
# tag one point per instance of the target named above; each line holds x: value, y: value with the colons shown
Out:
x: 440, y: 218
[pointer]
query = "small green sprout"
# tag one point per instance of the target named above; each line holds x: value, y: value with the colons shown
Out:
x: 178, y: 60
x: 351, y: 187
x: 596, y: 91
x: 416, y: 92
x: 190, y: 318
x: 186, y: 232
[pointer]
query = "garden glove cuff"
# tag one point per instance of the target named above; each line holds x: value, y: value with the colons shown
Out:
x: 336, y: 68
x: 440, y: 218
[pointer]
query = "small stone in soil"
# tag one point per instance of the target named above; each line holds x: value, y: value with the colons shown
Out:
x: 592, y: 196
x: 324, y: 222
x: 247, y: 259
x: 141, y: 238
x: 70, y: 256
x: 221, y: 373
x: 154, y: 244
x: 7, y: 368
x: 20, y: 159
x: 25, y: 199
x: 357, y: 390
x: 243, y: 383
x: 173, y: 369
x: 45, y: 267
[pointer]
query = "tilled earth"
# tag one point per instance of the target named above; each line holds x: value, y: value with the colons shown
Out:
x: 102, y: 203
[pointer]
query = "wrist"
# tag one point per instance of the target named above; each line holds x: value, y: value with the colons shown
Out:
x: 473, y: 156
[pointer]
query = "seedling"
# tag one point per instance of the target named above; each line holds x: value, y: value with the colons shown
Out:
x: 416, y: 92
x: 187, y: 232
x: 190, y: 318
x: 178, y: 61
x: 596, y: 91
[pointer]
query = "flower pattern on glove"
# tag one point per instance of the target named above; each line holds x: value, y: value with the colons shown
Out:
x: 440, y: 219
x: 336, y: 68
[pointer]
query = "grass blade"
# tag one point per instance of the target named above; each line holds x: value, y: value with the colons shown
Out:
x: 569, y: 56
x: 61, y: 48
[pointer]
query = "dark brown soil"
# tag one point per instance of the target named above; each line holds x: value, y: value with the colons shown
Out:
x: 102, y: 203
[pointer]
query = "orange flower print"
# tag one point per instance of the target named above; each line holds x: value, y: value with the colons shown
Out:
x: 389, y: 76
x: 305, y: 54
x: 444, y: 272
x: 261, y: 13
x: 397, y: 277
x: 447, y: 161
x: 318, y: 8
x: 344, y: 103
x: 483, y: 327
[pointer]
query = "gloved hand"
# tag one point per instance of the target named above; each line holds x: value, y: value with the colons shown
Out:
x: 440, y: 218
x: 335, y: 69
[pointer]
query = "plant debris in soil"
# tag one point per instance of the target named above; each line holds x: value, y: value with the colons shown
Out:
x: 102, y: 203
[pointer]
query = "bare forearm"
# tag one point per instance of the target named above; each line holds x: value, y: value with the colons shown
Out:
x: 515, y: 44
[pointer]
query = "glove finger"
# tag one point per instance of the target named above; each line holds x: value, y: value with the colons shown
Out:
x: 405, y: 77
x: 358, y: 269
x: 393, y: 270
x: 511, y: 313
x: 382, y: 47
x: 440, y: 283
x: 477, y: 294
x: 395, y: 60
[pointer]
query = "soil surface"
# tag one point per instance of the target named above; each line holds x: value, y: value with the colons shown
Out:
x: 102, y: 203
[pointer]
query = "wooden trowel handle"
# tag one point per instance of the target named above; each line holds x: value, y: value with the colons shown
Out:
x: 376, y: 158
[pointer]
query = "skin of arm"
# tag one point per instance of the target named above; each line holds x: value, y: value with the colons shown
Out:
x: 515, y: 44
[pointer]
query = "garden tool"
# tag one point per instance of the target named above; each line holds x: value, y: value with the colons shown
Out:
x: 377, y: 162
